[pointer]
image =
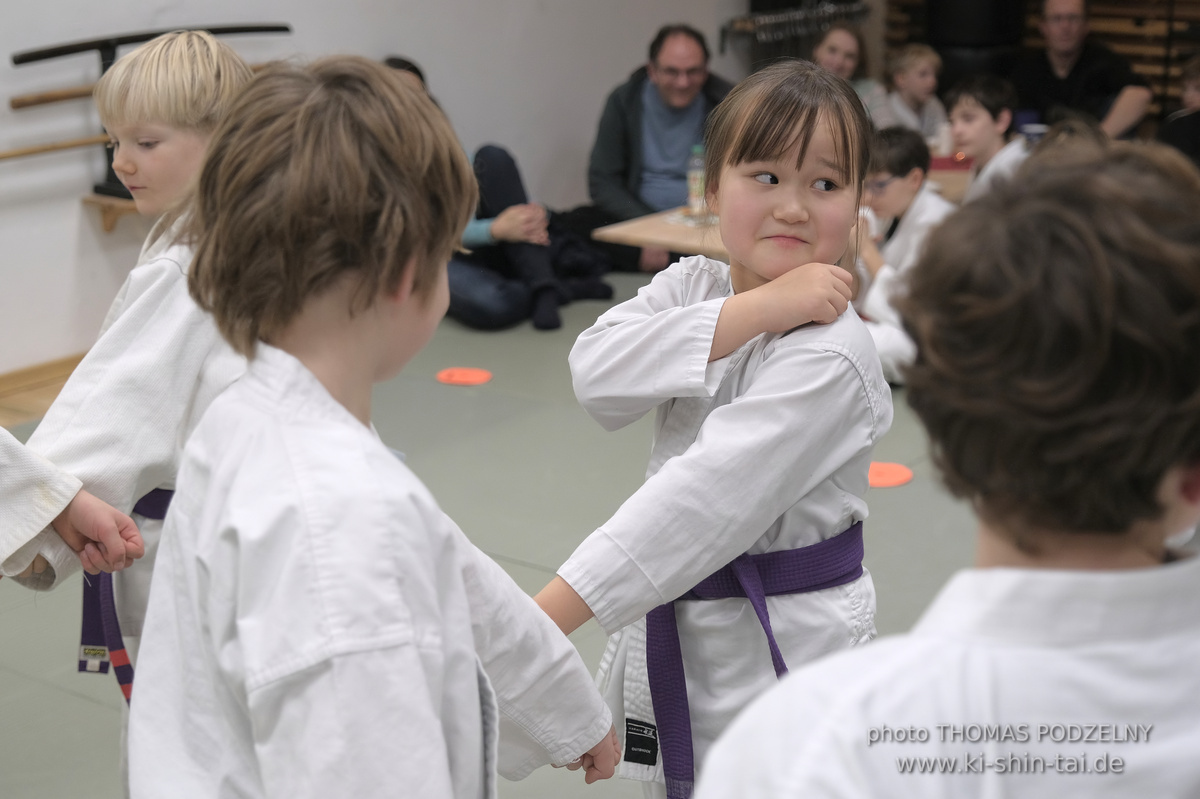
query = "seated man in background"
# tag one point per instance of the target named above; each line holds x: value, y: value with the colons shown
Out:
x: 1075, y: 75
x: 649, y: 125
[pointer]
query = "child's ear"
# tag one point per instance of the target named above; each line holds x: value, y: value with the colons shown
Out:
x: 1189, y: 483
x: 404, y: 289
x: 915, y: 177
x: 1003, y: 120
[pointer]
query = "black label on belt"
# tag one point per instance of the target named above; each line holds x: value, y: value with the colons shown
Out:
x: 641, y: 742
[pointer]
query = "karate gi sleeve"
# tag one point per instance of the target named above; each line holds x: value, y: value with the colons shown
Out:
x: 32, y: 493
x: 550, y: 708
x: 805, y: 416
x: 119, y: 421
x: 877, y: 305
x: 651, y: 348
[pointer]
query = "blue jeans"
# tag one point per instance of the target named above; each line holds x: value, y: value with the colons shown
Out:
x: 493, y: 287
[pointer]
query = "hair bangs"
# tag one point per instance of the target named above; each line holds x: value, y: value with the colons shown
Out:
x: 775, y: 111
x: 185, y: 79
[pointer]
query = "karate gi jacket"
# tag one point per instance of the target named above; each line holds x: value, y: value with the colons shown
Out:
x: 1012, y: 681
x: 1001, y: 165
x: 766, y: 449
x: 900, y: 252
x: 318, y: 627
x: 121, y: 420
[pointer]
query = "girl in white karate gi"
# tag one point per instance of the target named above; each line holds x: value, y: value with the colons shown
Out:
x: 769, y: 401
x: 317, y: 627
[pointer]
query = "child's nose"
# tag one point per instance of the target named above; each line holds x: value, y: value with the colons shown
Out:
x: 121, y: 163
x: 791, y: 207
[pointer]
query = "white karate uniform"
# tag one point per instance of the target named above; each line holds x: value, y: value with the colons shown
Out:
x: 900, y: 253
x: 928, y: 122
x: 319, y: 627
x: 764, y: 450
x: 122, y: 418
x: 1015, y: 647
x: 1000, y: 166
x: 33, y: 492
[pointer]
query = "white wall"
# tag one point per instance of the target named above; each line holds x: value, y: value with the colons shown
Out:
x: 529, y: 74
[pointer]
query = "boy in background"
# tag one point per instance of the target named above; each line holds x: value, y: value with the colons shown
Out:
x: 907, y: 209
x: 317, y: 625
x: 981, y: 115
x: 1057, y: 337
x: 913, y: 102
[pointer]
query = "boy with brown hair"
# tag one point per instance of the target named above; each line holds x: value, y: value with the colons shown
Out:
x: 1058, y: 335
x: 318, y: 626
x: 981, y: 124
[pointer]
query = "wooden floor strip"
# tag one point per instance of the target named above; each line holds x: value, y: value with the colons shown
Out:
x: 26, y: 393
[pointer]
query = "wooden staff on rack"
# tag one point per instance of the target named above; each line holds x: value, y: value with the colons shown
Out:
x: 54, y: 146
x: 73, y: 93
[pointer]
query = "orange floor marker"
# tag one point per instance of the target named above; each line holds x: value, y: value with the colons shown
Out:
x: 888, y: 475
x: 463, y: 376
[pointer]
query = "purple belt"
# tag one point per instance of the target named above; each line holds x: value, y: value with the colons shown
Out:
x: 833, y: 562
x: 100, y: 640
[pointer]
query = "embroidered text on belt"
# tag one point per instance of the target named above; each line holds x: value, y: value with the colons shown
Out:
x: 833, y: 562
x: 100, y: 640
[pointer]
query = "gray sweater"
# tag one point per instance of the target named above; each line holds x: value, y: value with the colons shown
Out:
x: 615, y: 167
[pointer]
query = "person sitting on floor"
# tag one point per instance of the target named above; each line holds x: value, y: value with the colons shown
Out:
x: 505, y: 272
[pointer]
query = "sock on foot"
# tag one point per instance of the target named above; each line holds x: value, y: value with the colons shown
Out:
x: 589, y: 288
x: 545, y: 310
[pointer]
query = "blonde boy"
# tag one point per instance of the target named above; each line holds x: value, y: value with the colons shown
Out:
x: 318, y: 627
x: 913, y: 102
x: 121, y: 419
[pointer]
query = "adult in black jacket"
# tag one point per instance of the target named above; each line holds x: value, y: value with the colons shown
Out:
x: 1076, y: 75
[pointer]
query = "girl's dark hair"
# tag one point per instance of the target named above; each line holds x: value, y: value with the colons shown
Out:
x: 778, y: 107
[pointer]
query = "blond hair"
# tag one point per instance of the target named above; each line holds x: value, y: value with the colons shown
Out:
x: 339, y: 167
x: 909, y: 56
x: 185, y: 79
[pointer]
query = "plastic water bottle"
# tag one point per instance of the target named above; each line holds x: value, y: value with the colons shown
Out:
x: 695, y: 181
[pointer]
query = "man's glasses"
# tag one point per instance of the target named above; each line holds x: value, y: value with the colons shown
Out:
x: 673, y: 74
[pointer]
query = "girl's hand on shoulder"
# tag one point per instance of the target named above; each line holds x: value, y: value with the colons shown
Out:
x: 814, y: 292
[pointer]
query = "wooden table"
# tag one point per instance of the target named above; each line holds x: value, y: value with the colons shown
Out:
x: 670, y: 230
x: 673, y: 230
x: 951, y: 177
